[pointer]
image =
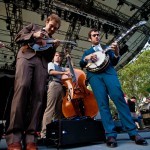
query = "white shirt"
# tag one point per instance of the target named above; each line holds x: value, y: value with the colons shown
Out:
x: 51, y: 66
x: 97, y: 48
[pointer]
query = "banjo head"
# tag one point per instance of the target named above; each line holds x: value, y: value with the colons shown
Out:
x: 101, y: 63
x: 100, y: 59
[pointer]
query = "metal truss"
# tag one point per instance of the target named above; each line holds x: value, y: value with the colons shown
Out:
x: 137, y: 16
x: 102, y: 13
x: 98, y: 12
x: 105, y: 13
x: 14, y: 24
x: 91, y: 15
x: 85, y: 9
x: 71, y: 35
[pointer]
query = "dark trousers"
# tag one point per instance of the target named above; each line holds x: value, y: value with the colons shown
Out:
x: 30, y: 82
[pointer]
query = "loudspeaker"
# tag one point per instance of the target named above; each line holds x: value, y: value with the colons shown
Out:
x: 79, y: 130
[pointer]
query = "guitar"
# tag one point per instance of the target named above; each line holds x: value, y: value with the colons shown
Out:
x: 46, y: 43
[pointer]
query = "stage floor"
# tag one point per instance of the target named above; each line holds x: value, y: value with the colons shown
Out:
x: 123, y: 144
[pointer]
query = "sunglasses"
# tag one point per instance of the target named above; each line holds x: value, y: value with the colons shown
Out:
x: 94, y: 35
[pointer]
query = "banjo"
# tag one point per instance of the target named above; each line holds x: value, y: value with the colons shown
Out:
x: 102, y: 58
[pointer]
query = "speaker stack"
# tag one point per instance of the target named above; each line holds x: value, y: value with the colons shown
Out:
x: 77, y: 130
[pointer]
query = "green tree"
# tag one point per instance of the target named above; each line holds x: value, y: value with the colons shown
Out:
x: 135, y: 77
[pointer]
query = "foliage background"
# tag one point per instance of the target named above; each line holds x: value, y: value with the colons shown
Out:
x: 135, y: 77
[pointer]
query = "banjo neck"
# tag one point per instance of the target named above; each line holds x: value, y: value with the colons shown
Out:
x: 125, y: 34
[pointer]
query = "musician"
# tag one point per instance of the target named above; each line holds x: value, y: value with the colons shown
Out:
x: 105, y: 84
x: 55, y: 93
x: 30, y: 83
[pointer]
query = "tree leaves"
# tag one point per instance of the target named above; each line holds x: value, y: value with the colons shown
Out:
x: 135, y: 77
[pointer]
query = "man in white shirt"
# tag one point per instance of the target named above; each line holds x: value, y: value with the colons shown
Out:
x: 55, y: 93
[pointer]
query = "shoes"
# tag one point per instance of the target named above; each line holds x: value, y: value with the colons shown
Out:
x: 111, y: 142
x: 15, y: 146
x: 138, y: 140
x: 31, y: 146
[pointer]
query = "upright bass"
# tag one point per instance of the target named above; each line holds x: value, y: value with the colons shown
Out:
x: 78, y: 100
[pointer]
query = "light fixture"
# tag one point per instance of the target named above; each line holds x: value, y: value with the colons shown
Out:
x: 111, y: 29
x: 8, y: 20
x: 92, y: 24
x: 132, y: 8
x: 105, y: 28
x: 99, y: 26
x: 65, y: 14
x: 58, y: 12
x: 82, y: 20
x: 6, y: 1
x: 5, y: 56
x: 8, y: 27
x: 106, y: 35
x: 144, y: 15
x: 88, y: 22
x: 35, y: 4
x: 123, y: 50
x: 121, y: 2
x: 14, y: 10
x: 42, y: 17
x: 116, y: 32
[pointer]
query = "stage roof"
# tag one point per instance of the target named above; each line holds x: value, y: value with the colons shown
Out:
x: 111, y: 17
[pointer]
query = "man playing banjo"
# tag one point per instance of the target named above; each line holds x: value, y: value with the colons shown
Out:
x: 105, y: 83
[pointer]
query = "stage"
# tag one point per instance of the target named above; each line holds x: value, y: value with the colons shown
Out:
x: 123, y: 144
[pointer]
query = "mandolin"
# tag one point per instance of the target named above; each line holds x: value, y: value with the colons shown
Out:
x: 46, y: 43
